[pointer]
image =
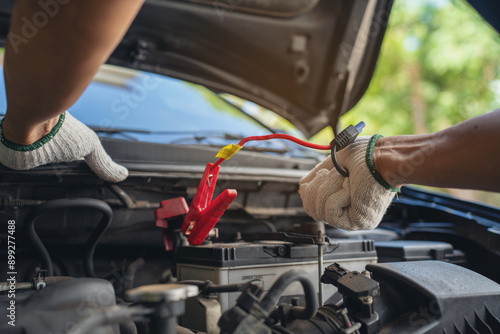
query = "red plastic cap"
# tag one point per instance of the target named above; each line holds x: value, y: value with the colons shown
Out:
x: 170, y: 208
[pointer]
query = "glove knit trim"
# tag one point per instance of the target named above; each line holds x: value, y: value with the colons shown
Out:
x: 371, y: 165
x: 70, y: 140
x: 39, y: 143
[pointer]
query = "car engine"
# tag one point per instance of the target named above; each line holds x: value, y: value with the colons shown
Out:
x: 85, y: 256
x: 79, y: 255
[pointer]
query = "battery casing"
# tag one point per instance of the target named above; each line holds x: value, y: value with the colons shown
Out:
x: 229, y: 263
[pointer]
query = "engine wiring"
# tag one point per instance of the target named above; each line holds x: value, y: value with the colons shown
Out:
x: 204, y: 213
x: 343, y: 139
x: 228, y: 151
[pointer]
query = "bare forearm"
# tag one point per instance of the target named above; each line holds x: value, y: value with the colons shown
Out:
x: 466, y: 155
x: 48, y: 67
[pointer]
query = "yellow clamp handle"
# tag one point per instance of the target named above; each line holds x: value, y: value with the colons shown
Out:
x: 228, y: 151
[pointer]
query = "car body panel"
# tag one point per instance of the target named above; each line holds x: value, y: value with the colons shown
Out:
x: 310, y: 64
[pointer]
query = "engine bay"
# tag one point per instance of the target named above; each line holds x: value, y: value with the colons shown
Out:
x: 90, y: 259
x: 81, y: 255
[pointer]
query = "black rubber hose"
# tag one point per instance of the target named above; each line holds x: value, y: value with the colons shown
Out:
x: 102, y: 226
x: 272, y: 296
x: 69, y: 203
x: 328, y: 320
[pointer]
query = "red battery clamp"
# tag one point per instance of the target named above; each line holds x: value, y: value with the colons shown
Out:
x: 204, y: 213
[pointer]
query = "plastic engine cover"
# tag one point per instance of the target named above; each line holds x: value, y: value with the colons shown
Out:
x: 435, y: 297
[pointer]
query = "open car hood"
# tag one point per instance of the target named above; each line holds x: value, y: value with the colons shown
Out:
x: 308, y: 60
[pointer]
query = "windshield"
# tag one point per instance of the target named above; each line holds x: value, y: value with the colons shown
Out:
x: 171, y: 110
x: 135, y: 105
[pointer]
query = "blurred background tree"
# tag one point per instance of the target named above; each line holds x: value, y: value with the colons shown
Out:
x: 439, y: 65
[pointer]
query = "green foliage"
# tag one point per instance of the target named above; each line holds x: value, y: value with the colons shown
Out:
x: 457, y: 55
x: 441, y: 54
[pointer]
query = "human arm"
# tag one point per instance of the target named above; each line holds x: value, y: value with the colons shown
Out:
x: 46, y: 71
x: 466, y: 155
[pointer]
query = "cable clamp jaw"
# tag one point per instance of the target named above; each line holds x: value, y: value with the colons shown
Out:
x: 341, y: 141
x: 204, y: 213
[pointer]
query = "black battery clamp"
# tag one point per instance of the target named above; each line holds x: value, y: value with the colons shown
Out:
x: 341, y: 141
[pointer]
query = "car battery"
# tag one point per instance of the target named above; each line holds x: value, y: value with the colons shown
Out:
x: 418, y: 250
x: 230, y: 263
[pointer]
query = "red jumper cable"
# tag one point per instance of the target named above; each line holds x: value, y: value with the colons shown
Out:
x: 203, y: 213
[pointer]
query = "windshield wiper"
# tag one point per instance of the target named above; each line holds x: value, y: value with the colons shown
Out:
x: 192, y: 134
x: 99, y: 129
x: 255, y: 119
x: 123, y: 132
x: 197, y: 136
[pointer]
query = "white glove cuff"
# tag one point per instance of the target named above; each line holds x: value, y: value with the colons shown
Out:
x: 69, y: 140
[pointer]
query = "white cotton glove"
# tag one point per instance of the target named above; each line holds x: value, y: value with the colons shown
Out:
x: 69, y: 140
x: 356, y: 202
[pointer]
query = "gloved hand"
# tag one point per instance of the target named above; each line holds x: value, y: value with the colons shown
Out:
x: 356, y: 202
x: 69, y: 140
